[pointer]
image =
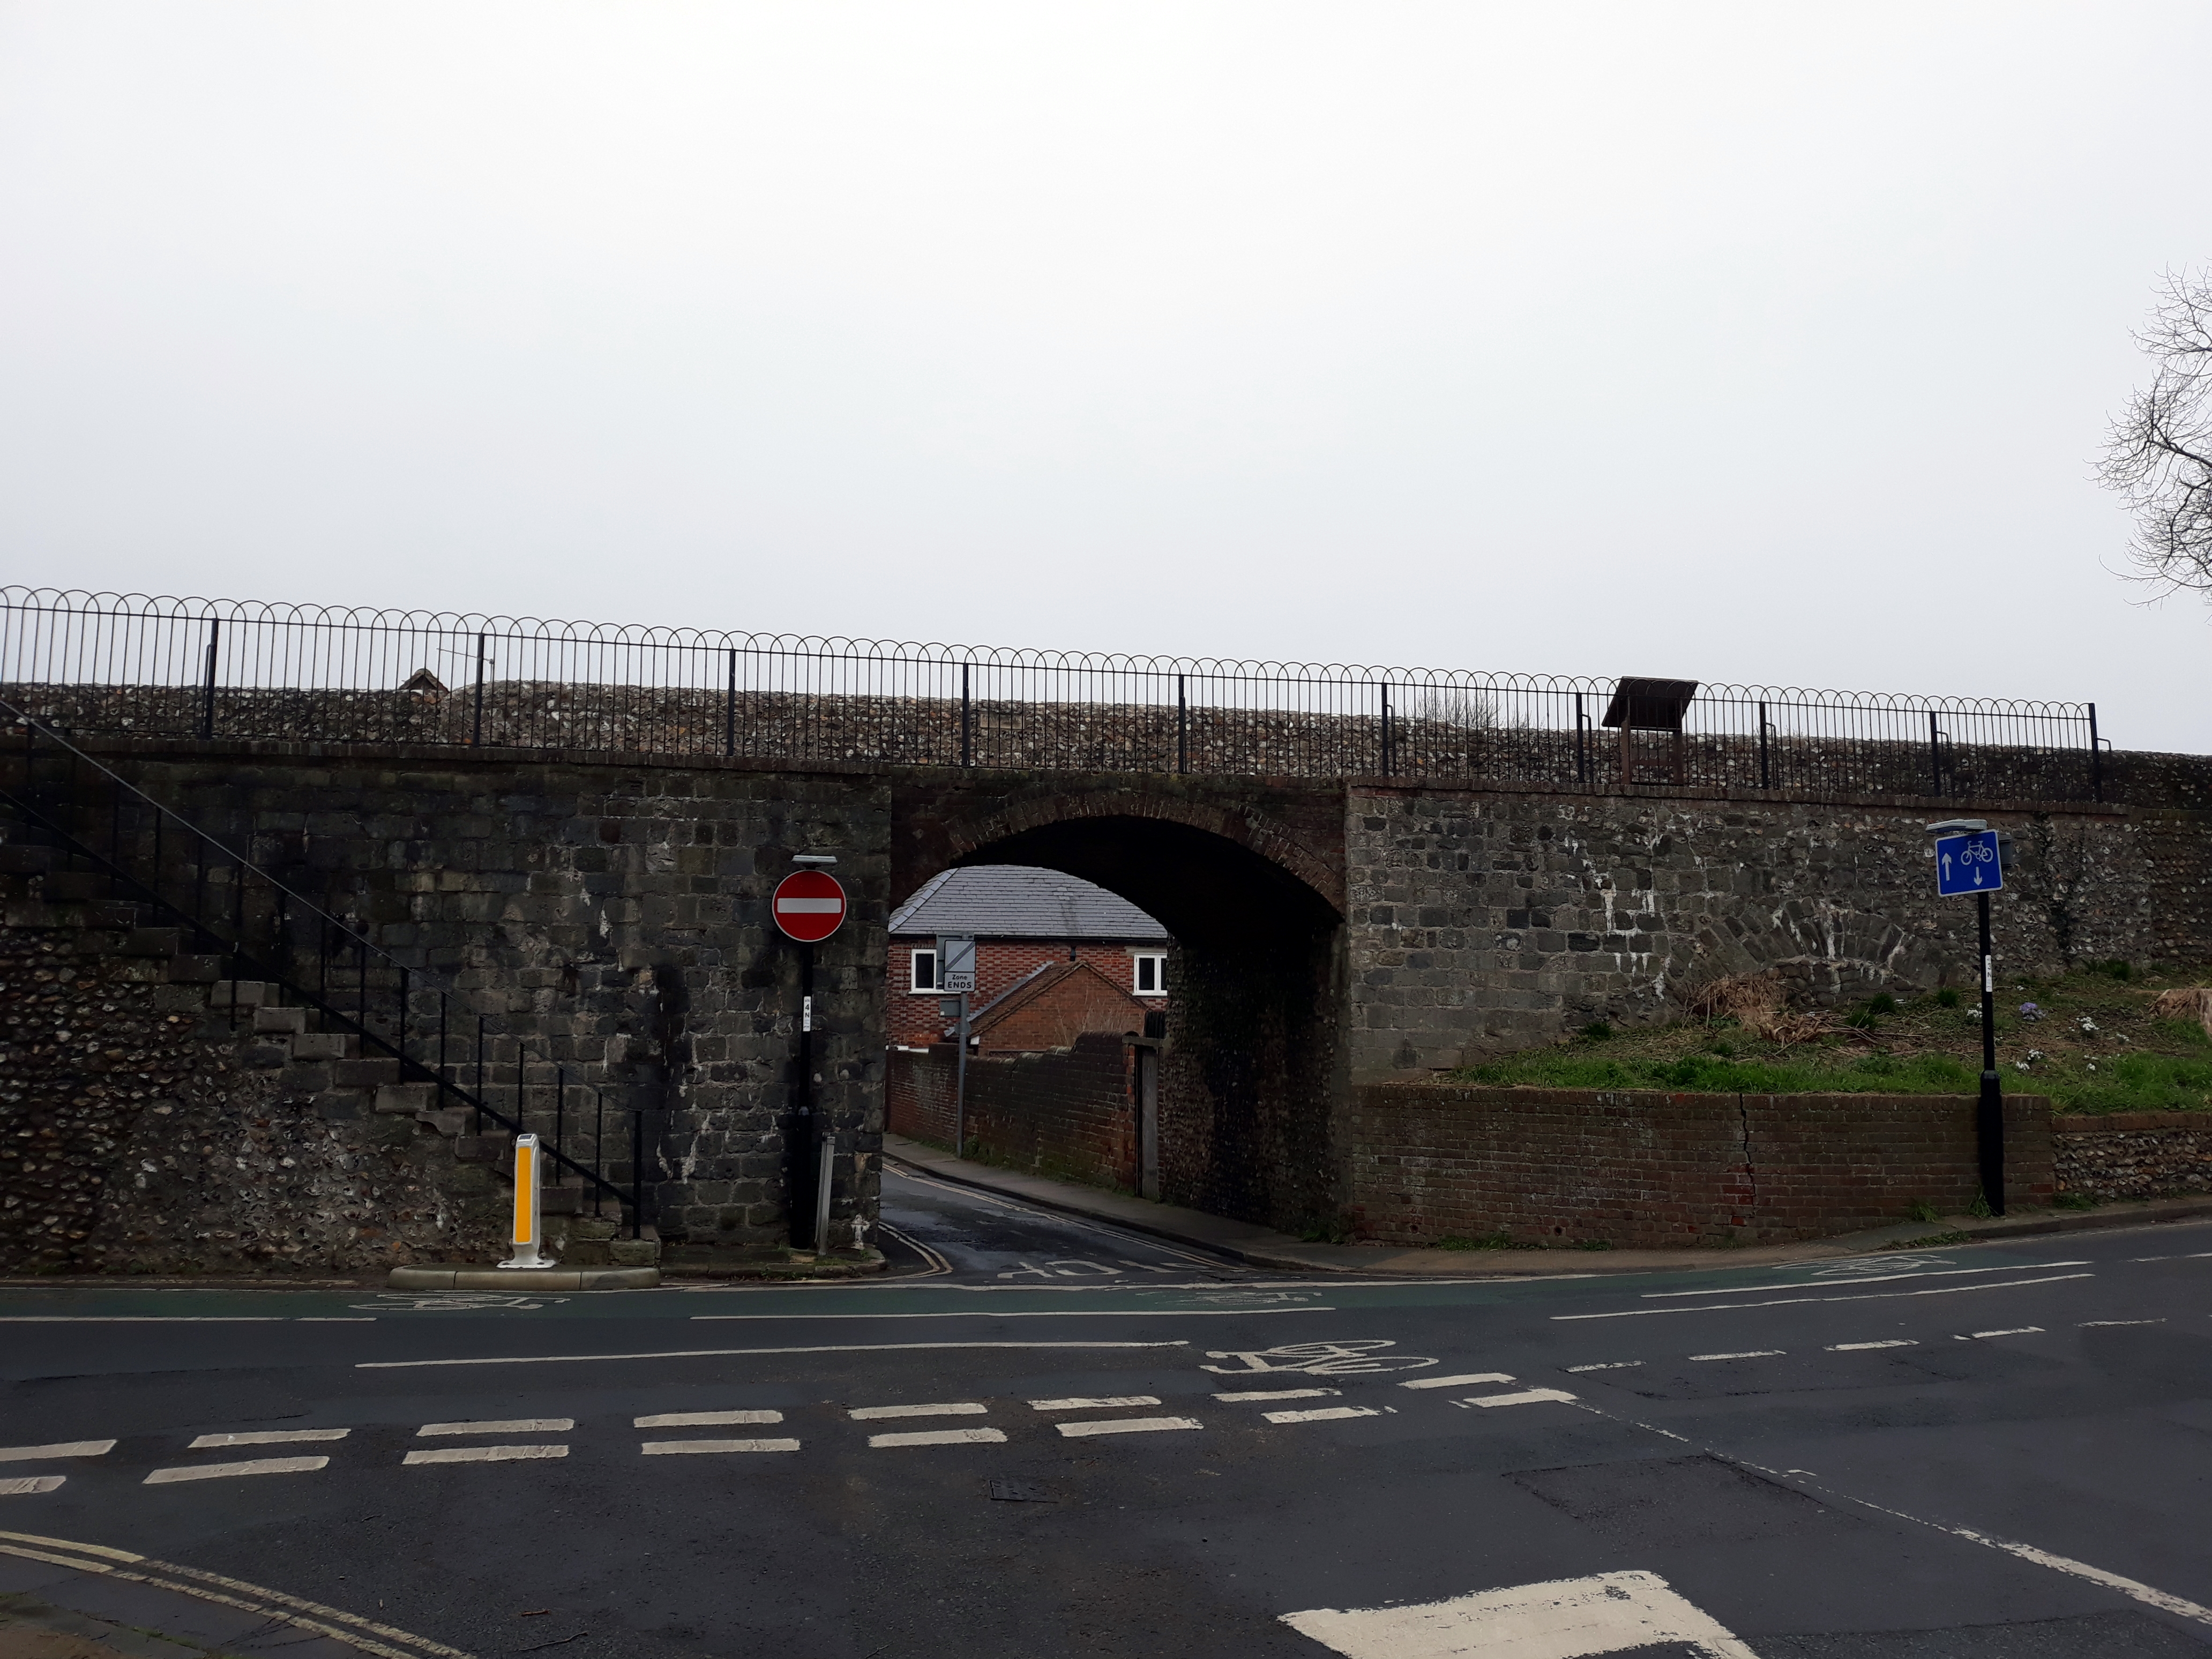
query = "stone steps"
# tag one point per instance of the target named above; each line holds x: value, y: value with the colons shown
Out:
x: 324, y: 1072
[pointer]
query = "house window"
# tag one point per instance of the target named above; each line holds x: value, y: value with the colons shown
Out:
x: 1152, y: 973
x: 925, y: 970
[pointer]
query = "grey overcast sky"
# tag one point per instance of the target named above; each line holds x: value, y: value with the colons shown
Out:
x: 1755, y: 344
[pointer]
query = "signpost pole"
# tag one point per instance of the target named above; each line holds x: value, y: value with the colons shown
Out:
x: 808, y: 906
x: 960, y: 1086
x: 809, y: 1138
x: 1988, y: 1121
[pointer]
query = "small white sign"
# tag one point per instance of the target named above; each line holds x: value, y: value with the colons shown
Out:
x: 955, y: 962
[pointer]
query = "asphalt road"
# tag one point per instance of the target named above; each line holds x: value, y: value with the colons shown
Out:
x: 1047, y: 1437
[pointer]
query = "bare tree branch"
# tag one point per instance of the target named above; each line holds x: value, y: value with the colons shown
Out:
x: 2159, y: 457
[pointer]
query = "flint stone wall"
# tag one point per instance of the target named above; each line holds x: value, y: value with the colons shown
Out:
x: 1484, y: 923
x: 2133, y: 1155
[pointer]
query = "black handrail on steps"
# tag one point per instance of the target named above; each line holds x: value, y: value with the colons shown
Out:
x: 123, y: 884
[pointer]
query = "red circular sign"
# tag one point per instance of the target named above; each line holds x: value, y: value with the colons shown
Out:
x: 809, y: 904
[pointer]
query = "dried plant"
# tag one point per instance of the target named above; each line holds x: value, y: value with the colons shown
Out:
x: 2190, y: 1002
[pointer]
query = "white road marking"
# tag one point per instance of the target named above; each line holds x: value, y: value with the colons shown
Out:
x: 1872, y: 1278
x: 1751, y: 1353
x: 1467, y: 1378
x: 30, y: 1483
x: 60, y: 1449
x: 2196, y: 1255
x: 1794, y: 1301
x: 676, y: 1448
x: 272, y: 1438
x: 1526, y: 1397
x: 1085, y: 1427
x: 1042, y: 1313
x: 942, y: 1437
x: 1610, y: 1366
x: 502, y: 1425
x: 1861, y: 1347
x: 1569, y: 1618
x: 2092, y: 1324
x: 1321, y: 1414
x: 728, y: 1353
x: 1100, y: 1404
x: 233, y: 1592
x: 224, y: 1471
x: 950, y: 1409
x: 336, y: 1319
x: 703, y: 1419
x: 483, y: 1453
x: 1280, y: 1393
x: 142, y: 1318
x: 2017, y: 1330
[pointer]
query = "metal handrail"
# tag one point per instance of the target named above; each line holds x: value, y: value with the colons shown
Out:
x: 289, y: 900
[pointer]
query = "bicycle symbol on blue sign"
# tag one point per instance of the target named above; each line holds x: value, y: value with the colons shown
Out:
x: 1968, y: 864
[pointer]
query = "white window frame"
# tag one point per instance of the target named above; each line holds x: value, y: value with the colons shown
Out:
x: 914, y: 959
x: 1137, y: 960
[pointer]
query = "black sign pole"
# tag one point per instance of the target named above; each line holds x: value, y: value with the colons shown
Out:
x: 805, y: 1147
x: 1988, y: 1117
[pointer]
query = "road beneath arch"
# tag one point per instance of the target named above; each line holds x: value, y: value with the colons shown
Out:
x: 1042, y: 1435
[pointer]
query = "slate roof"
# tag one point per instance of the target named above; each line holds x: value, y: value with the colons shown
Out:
x: 1018, y: 901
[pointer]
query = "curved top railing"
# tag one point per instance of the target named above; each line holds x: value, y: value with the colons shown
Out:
x: 59, y: 602
x: 105, y: 662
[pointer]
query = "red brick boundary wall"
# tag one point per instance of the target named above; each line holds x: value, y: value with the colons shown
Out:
x: 1064, y: 1112
x: 2134, y: 1154
x: 1565, y: 1166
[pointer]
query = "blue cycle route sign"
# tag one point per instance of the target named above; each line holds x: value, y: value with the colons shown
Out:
x: 1968, y: 864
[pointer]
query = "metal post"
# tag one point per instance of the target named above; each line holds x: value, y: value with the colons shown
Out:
x: 825, y: 1163
x: 960, y: 1086
x: 967, y: 722
x: 475, y: 734
x: 1934, y: 753
x: 1183, y: 727
x: 599, y: 1147
x: 207, y: 691
x: 636, y: 1172
x: 559, y: 1104
x: 442, y: 1085
x: 1988, y: 1124
x: 1763, y: 774
x: 2096, y: 759
x: 480, y: 1077
x: 1582, y: 741
x: 730, y: 711
x: 804, y: 1140
x: 1387, y: 770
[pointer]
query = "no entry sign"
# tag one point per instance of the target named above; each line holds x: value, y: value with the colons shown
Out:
x: 809, y: 905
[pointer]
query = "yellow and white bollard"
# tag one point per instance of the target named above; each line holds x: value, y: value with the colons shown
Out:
x: 526, y: 1182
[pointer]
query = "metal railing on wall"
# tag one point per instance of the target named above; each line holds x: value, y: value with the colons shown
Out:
x: 108, y: 663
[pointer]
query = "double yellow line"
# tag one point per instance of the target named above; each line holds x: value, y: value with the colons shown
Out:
x: 366, y: 1634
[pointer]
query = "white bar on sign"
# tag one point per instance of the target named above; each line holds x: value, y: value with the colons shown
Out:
x: 806, y: 907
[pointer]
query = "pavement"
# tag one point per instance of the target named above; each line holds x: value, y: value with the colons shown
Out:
x: 1040, y: 1431
x: 1262, y: 1246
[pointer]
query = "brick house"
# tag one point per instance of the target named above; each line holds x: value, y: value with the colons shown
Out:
x: 1025, y: 921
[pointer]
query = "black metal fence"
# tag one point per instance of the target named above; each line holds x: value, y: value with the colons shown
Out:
x: 128, y: 664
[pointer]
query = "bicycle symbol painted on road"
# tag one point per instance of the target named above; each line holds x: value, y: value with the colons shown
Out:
x: 1356, y: 1359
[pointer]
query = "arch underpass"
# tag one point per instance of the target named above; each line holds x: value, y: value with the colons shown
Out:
x: 1254, y: 1066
